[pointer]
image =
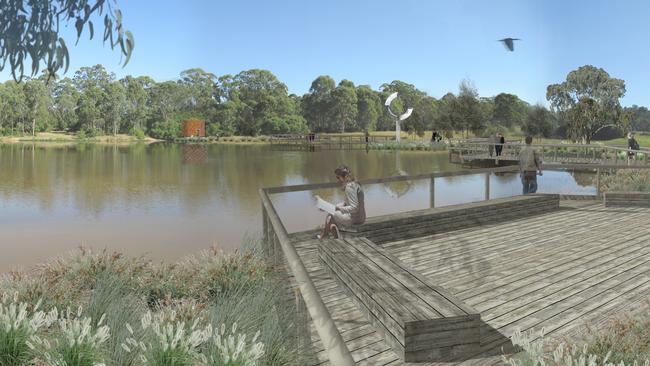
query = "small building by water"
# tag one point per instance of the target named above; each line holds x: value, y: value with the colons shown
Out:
x: 193, y: 128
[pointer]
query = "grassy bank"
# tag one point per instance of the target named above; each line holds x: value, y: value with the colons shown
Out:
x: 63, y: 137
x: 208, y: 309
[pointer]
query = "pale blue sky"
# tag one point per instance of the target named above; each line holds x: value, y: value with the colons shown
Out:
x: 431, y: 44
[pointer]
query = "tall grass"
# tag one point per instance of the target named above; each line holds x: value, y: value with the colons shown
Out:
x: 409, y: 145
x: 19, y: 326
x: 627, y: 180
x: 134, y: 312
x: 563, y: 354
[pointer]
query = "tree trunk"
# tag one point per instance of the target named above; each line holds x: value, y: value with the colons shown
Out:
x: 34, y: 126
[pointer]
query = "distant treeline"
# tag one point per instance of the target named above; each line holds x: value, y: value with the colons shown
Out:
x: 255, y: 102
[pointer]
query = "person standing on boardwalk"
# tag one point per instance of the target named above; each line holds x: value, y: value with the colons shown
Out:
x: 632, y: 145
x: 499, y: 144
x: 492, y: 144
x: 529, y: 166
x: 350, y: 212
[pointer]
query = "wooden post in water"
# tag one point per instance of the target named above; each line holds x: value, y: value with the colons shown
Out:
x: 487, y: 186
x: 432, y: 193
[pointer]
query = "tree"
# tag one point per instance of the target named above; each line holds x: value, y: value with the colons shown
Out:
x: 468, y: 110
x: 166, y: 101
x: 590, y: 99
x: 640, y: 118
x: 202, y: 91
x: 538, y: 122
x: 137, y: 101
x: 92, y: 84
x: 447, y: 118
x: 30, y: 30
x: 38, y: 99
x: 368, y: 107
x: 316, y: 106
x: 344, y: 105
x: 259, y: 96
x: 65, y: 99
x: 508, y: 110
x: 13, y: 106
x: 114, y: 106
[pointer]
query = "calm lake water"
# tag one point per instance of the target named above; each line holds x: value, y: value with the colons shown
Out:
x: 167, y: 200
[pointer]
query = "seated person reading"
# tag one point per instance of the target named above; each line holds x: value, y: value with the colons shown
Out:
x: 349, y: 212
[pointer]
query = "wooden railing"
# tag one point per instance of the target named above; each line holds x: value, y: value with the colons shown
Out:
x: 554, y: 153
x: 280, y: 250
x: 303, y: 139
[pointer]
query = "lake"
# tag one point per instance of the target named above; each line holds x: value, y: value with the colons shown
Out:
x: 169, y: 200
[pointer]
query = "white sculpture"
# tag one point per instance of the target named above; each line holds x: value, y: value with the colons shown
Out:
x: 402, y: 117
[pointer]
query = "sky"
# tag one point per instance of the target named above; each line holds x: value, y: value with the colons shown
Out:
x: 431, y: 44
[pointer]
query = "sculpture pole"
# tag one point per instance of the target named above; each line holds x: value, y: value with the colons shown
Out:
x: 398, y: 119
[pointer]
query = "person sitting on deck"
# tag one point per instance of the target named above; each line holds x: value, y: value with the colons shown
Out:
x: 528, y: 167
x: 350, y: 212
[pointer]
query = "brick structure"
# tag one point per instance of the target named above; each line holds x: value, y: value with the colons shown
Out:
x: 193, y: 128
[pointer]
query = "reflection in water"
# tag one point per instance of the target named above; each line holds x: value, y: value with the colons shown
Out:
x: 194, y: 153
x: 398, y: 189
x: 584, y: 179
x: 169, y: 200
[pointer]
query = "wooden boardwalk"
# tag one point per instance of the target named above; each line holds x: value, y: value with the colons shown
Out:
x: 555, y: 270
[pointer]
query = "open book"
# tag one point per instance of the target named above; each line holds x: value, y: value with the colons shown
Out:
x: 325, y: 206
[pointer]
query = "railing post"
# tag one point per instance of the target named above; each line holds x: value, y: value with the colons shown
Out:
x: 598, y: 183
x: 265, y: 231
x: 432, y: 193
x: 487, y: 186
x: 335, y: 346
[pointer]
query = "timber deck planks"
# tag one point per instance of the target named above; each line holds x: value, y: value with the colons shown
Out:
x: 556, y: 270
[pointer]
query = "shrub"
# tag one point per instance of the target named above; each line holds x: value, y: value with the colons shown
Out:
x: 233, y: 349
x: 564, y: 355
x: 186, y: 300
x: 77, y: 342
x: 166, y: 130
x: 627, y: 180
x: 166, y: 341
x: 138, y: 133
x: 91, y: 132
x: 18, y: 331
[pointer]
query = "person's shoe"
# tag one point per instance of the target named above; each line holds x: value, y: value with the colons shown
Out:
x: 319, y: 237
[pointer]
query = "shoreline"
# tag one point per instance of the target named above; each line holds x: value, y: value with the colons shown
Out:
x: 64, y: 138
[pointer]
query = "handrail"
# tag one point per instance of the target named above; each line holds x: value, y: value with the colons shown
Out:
x: 335, y: 346
x: 590, y: 146
x: 397, y: 178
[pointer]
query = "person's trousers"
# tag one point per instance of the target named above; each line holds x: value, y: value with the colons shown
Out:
x: 529, y: 181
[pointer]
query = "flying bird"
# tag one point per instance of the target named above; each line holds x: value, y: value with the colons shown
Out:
x: 508, y: 42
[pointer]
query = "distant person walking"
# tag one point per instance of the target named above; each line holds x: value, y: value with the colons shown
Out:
x: 499, y: 144
x: 632, y: 146
x: 436, y: 137
x: 529, y: 165
x: 492, y: 144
